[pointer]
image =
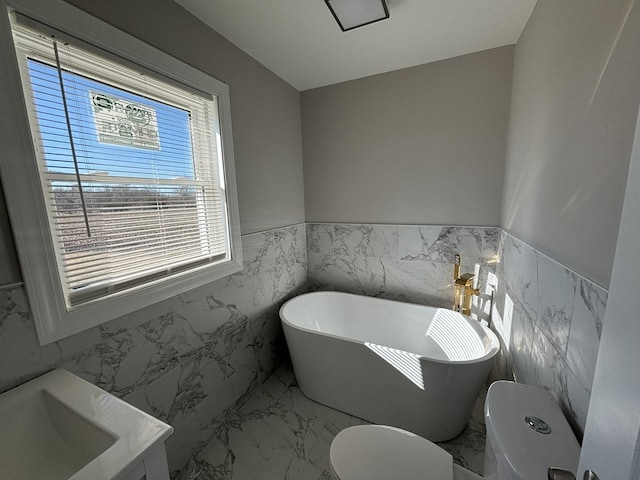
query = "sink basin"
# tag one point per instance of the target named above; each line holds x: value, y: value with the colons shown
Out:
x: 60, y: 427
x: 64, y: 442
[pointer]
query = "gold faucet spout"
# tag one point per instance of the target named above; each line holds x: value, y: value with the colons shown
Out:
x: 465, y: 280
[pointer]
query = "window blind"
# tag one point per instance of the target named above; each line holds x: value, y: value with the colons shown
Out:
x: 130, y: 168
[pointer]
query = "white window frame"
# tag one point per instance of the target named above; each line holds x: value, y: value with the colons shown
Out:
x: 22, y: 186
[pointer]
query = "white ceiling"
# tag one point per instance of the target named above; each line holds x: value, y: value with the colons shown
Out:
x: 300, y: 41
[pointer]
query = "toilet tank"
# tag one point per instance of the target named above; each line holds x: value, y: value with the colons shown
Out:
x: 515, y: 450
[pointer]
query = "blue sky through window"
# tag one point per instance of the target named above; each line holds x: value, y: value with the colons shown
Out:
x: 173, y: 159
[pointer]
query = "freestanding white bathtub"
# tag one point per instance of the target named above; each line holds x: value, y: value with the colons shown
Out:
x: 410, y: 366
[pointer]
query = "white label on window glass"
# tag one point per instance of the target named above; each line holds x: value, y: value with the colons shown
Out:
x: 121, y: 122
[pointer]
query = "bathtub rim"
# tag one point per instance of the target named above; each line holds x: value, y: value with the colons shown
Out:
x: 493, y: 349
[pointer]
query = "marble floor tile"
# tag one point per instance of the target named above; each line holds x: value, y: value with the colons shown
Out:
x: 279, y: 434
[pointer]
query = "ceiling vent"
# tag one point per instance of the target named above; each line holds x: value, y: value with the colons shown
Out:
x: 352, y: 14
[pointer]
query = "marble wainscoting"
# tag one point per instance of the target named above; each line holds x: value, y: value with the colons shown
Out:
x: 185, y: 360
x: 408, y: 263
x: 551, y: 320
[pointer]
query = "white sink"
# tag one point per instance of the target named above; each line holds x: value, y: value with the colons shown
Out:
x: 60, y: 427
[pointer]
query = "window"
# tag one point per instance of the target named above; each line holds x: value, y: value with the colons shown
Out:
x: 135, y: 187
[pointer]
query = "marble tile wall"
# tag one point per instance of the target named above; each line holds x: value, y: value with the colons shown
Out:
x: 400, y: 262
x: 185, y: 360
x: 550, y: 318
x: 199, y: 356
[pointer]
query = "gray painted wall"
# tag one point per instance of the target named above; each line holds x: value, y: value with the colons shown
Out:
x: 422, y: 145
x: 575, y: 97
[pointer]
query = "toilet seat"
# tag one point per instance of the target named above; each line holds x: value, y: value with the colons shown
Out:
x: 379, y: 452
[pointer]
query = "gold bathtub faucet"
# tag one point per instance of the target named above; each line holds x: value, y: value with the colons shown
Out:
x: 464, y: 282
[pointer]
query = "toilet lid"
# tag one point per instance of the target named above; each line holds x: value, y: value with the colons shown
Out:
x: 378, y: 452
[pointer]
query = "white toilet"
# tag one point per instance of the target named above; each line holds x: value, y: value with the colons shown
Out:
x: 526, y: 434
